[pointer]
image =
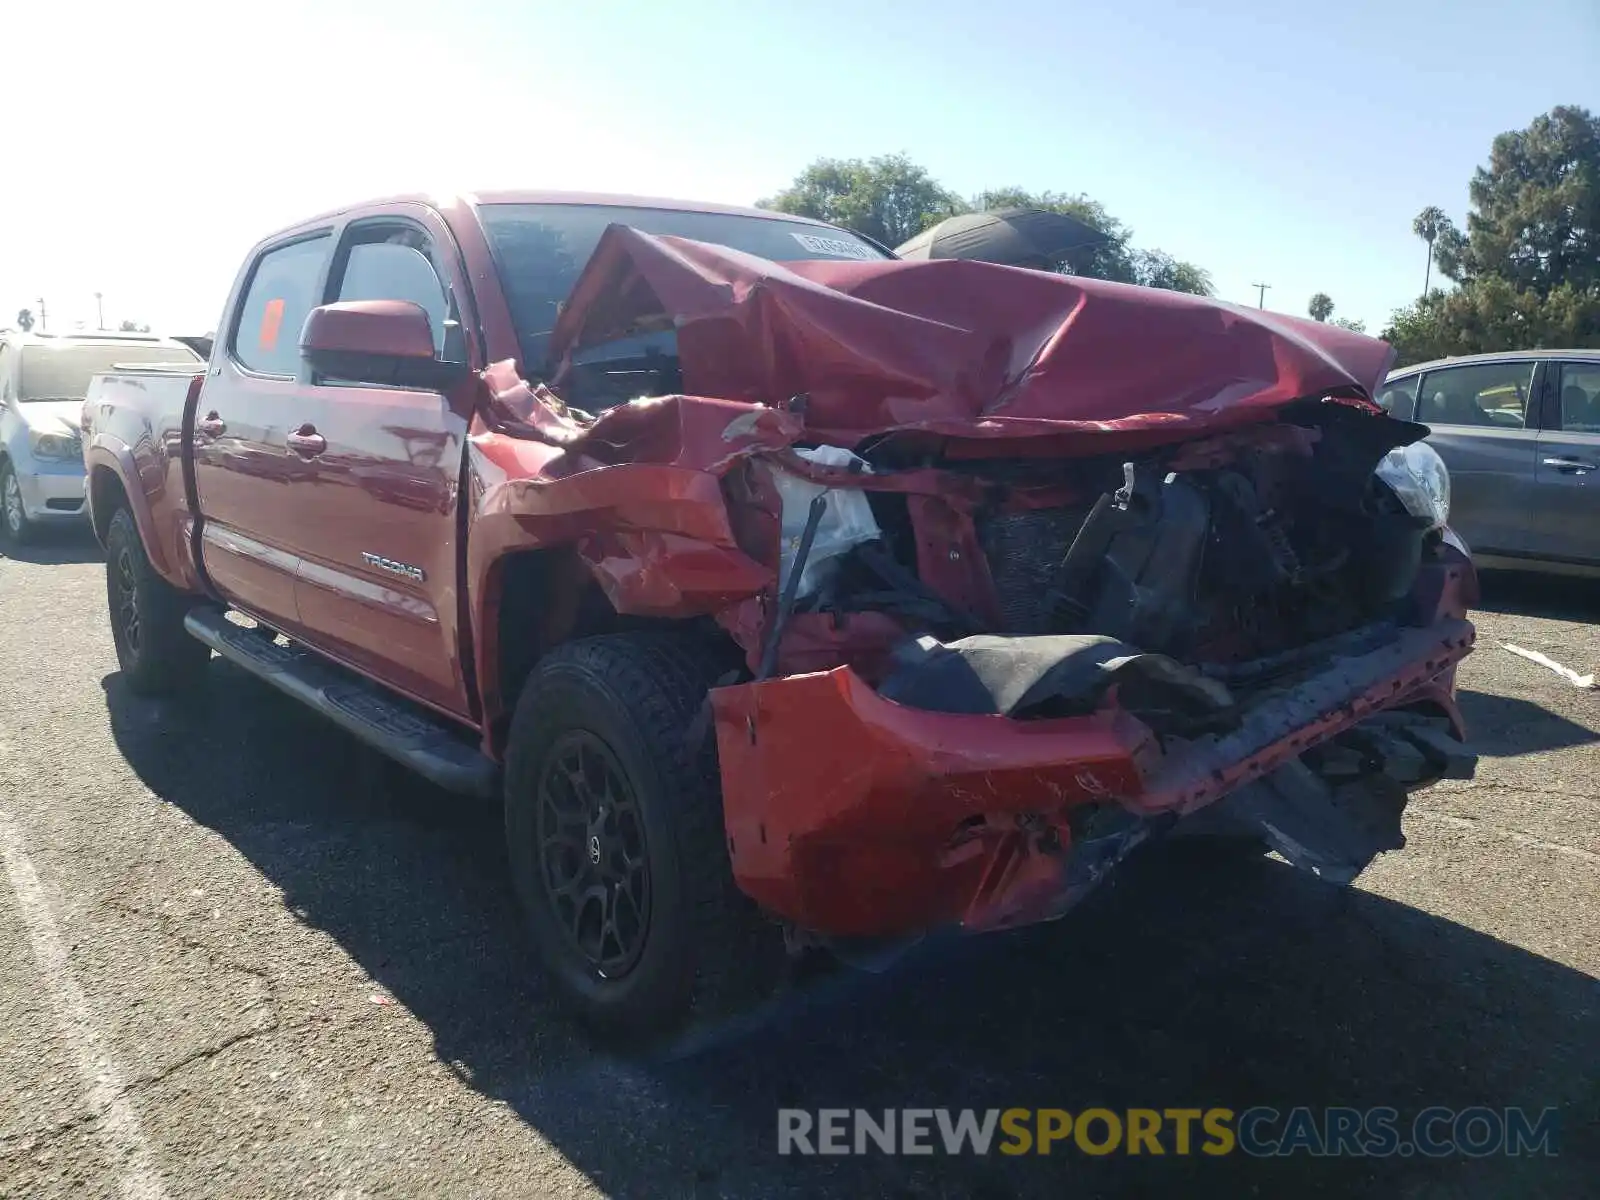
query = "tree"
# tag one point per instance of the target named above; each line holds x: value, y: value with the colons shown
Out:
x: 25, y: 320
x: 1528, y: 267
x: 1535, y: 215
x: 128, y: 326
x: 1429, y: 225
x: 1320, y: 307
x: 889, y: 198
x: 1350, y: 323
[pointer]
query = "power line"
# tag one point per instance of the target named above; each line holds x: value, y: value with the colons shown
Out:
x: 1261, y: 293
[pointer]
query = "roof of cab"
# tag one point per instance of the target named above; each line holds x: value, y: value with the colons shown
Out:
x: 536, y: 196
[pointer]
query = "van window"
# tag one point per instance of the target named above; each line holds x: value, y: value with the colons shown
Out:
x: 282, y: 292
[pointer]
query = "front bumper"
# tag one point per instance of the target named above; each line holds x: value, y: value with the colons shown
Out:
x: 52, y: 491
x: 851, y: 816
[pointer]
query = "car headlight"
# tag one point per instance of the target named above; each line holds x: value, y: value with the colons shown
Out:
x: 56, y: 447
x: 1420, y: 480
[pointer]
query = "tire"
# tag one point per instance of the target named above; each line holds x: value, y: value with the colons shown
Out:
x: 156, y: 654
x: 15, y: 528
x: 619, y: 709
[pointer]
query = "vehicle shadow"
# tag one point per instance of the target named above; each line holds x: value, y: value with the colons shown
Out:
x: 57, y: 546
x: 1183, y: 983
x: 1530, y: 594
x: 1507, y: 726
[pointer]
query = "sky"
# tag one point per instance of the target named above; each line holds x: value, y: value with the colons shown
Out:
x: 149, y: 145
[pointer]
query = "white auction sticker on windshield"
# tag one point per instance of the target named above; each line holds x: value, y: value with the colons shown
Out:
x: 834, y: 247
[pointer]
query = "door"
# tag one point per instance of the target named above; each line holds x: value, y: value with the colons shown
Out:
x: 1485, y: 428
x: 244, y: 471
x: 1567, y: 528
x: 378, y: 529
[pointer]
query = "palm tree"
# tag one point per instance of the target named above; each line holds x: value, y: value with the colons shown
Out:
x: 25, y: 319
x: 1321, y: 306
x: 1430, y: 223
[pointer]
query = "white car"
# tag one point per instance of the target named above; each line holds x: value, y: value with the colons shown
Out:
x: 43, y: 380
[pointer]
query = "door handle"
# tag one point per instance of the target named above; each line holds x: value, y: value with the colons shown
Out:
x: 306, y: 441
x: 212, y: 426
x: 1570, y: 464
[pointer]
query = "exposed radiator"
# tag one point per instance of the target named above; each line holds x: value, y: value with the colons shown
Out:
x: 1024, y: 549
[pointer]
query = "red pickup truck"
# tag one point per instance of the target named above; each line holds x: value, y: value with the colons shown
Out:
x: 791, y: 595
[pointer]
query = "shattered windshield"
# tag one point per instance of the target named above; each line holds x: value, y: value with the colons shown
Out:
x: 540, y: 249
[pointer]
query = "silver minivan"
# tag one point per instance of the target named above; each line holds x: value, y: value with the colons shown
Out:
x: 1520, y: 433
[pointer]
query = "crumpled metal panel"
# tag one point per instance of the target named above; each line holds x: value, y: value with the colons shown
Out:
x: 963, y: 350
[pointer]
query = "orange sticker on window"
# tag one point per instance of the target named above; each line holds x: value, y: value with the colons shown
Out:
x: 271, y: 321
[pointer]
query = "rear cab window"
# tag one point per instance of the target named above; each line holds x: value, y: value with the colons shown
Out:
x: 281, y: 294
x: 1485, y: 395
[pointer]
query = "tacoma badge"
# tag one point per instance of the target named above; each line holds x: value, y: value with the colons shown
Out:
x: 394, y: 568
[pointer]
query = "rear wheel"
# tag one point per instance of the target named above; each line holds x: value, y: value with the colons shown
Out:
x: 14, y: 523
x: 614, y: 829
x: 155, y: 652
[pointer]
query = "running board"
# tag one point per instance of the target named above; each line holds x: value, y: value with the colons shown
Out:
x: 405, y: 732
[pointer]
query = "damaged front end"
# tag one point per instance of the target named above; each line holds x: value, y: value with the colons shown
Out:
x: 1025, y: 571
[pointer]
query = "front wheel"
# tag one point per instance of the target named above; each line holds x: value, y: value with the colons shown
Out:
x: 155, y: 652
x: 14, y: 523
x: 615, y: 835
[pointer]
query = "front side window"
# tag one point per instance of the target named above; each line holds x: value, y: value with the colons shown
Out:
x: 1398, y: 397
x: 63, y: 372
x: 1580, y: 397
x: 1491, y: 395
x: 539, y: 250
x: 282, y: 293
x: 391, y: 263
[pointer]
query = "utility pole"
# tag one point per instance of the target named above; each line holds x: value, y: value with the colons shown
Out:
x: 100, y: 311
x: 44, y: 322
x: 1261, y: 293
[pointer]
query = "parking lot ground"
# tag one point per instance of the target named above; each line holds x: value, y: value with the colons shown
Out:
x: 238, y: 957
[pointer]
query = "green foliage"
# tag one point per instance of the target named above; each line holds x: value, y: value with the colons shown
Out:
x: 1320, y: 306
x: 1350, y: 323
x: 1528, y: 265
x: 1535, y: 218
x: 888, y: 198
x: 1491, y: 313
x: 892, y: 199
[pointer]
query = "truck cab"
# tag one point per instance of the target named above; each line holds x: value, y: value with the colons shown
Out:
x: 43, y: 381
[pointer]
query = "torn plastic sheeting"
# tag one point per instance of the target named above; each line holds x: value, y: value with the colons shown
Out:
x: 847, y: 521
x: 990, y: 674
x: 961, y: 349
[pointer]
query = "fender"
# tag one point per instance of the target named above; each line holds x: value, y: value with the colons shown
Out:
x: 169, y: 561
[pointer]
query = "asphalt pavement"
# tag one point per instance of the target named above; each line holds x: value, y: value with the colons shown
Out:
x: 241, y: 957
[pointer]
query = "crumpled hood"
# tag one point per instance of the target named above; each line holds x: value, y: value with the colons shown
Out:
x: 958, y: 349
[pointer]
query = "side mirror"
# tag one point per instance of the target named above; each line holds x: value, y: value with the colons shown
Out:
x: 376, y: 341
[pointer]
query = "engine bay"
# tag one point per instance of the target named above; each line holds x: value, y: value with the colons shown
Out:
x: 1246, y: 559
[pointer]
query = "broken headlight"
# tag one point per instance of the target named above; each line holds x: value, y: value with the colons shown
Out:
x: 1419, y: 479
